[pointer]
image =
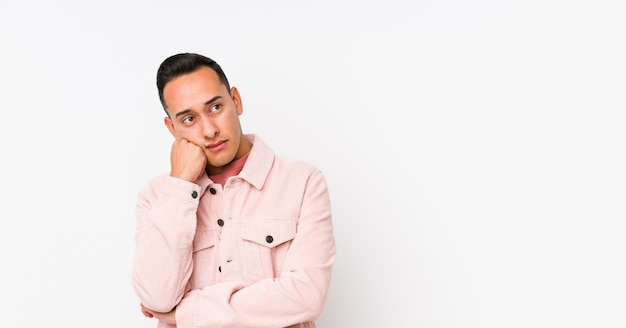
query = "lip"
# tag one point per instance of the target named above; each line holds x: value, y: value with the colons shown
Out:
x: 216, y: 146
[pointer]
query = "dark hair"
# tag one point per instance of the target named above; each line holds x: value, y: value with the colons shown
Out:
x: 185, y: 63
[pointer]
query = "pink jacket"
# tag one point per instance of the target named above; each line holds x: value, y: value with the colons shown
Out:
x: 257, y: 252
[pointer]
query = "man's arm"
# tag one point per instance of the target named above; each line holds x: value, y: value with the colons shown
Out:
x: 166, y: 224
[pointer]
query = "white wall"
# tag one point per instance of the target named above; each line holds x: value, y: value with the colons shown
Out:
x: 474, y: 151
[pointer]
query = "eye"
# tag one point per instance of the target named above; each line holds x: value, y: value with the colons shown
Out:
x: 215, y: 107
x: 188, y: 119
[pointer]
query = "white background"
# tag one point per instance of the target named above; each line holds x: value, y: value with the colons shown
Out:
x: 474, y: 150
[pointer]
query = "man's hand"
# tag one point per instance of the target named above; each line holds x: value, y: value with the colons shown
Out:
x: 169, y: 317
x: 187, y: 159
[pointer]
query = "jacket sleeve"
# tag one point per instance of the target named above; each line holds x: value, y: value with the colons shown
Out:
x: 297, y: 296
x: 166, y: 223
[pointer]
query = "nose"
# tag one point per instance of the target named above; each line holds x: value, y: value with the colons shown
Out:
x: 209, y: 128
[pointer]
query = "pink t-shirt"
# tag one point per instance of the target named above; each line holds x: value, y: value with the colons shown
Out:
x: 233, y: 168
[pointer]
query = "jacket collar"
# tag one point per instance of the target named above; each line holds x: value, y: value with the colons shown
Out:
x: 259, y: 163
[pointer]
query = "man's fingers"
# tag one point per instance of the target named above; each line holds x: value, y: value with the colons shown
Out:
x: 146, y: 312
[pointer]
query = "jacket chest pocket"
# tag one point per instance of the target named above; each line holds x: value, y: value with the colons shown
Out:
x: 264, y: 246
x: 204, y: 259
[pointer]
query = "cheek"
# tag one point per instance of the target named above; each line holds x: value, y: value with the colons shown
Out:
x: 193, y: 135
x: 231, y: 122
x: 181, y: 132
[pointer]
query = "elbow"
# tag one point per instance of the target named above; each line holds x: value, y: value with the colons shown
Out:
x: 154, y: 297
x: 313, y: 289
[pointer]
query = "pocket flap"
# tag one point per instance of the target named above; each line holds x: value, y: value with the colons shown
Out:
x: 269, y: 233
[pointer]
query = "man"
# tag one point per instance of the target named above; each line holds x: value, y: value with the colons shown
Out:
x: 234, y: 235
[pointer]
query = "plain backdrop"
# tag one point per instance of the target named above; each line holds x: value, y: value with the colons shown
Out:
x: 474, y: 150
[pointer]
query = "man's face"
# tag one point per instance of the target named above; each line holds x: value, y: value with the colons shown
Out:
x: 203, y: 112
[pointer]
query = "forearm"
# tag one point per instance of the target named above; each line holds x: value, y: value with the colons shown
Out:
x: 294, y: 298
x: 164, y: 238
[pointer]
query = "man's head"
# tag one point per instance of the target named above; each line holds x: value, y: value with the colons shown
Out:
x: 202, y: 108
x: 185, y: 63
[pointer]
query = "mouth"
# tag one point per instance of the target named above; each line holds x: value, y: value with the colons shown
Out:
x: 216, y: 146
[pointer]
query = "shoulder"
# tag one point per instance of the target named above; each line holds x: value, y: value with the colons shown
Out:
x: 296, y: 170
x: 295, y: 164
x: 265, y: 163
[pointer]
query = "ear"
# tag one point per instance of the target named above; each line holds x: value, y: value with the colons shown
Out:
x: 234, y: 94
x: 170, y: 126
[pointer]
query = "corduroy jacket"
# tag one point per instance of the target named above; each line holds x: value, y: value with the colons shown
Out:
x: 256, y: 252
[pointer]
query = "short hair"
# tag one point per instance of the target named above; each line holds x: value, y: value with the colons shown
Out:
x: 185, y: 63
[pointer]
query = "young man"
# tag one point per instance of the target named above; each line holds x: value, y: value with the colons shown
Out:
x: 234, y: 235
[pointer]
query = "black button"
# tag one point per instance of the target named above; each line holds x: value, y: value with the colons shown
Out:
x: 269, y: 239
x: 212, y: 191
x: 194, y: 194
x: 220, y: 222
x: 220, y: 268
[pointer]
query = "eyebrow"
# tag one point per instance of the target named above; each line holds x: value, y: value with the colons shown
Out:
x: 212, y: 100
